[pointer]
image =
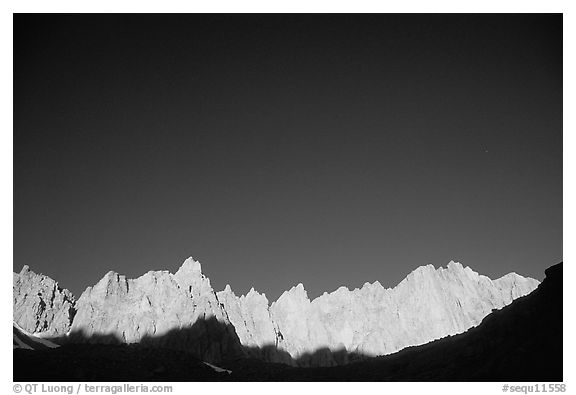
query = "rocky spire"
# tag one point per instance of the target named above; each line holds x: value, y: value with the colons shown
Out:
x: 40, y: 305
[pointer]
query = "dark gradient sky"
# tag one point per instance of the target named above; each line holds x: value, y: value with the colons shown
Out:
x: 327, y: 150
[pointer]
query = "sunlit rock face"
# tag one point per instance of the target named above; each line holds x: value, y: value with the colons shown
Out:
x: 182, y: 311
x: 258, y: 330
x: 40, y: 306
x: 172, y: 310
x: 428, y: 304
x: 250, y: 315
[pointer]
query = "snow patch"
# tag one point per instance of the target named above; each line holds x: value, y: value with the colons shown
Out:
x: 217, y: 369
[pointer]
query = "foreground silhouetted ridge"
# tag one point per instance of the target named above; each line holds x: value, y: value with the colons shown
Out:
x: 520, y: 342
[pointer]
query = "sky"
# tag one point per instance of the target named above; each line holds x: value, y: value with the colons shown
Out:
x: 326, y: 150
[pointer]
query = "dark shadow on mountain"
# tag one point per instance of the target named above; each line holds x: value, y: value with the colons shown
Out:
x: 177, y: 355
x: 521, y: 342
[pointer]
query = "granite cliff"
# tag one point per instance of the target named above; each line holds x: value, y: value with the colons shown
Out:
x: 40, y: 305
x: 428, y: 304
x: 182, y: 311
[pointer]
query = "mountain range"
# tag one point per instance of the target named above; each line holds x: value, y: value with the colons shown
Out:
x: 182, y: 311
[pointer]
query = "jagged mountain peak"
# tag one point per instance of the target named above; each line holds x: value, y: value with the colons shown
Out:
x: 40, y: 305
x: 430, y: 272
x: 190, y: 265
x: 297, y: 292
x: 254, y: 294
x: 111, y: 277
x: 424, y: 271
